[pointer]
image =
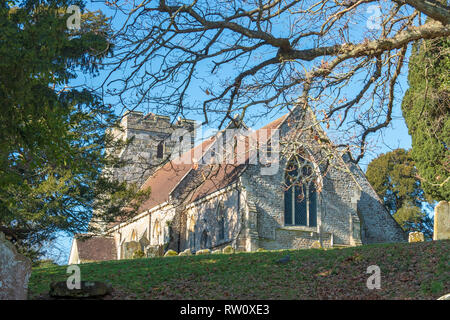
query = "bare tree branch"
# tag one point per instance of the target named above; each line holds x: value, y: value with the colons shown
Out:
x: 342, y: 58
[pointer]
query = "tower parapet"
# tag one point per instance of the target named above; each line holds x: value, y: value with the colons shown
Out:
x: 152, y: 144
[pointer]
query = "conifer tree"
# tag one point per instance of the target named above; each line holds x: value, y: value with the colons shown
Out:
x: 426, y: 109
x: 394, y: 177
x: 53, y: 136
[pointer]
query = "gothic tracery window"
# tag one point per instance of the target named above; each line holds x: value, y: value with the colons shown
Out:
x: 300, y: 197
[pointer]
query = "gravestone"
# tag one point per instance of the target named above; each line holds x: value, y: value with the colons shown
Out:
x: 316, y: 245
x: 129, y: 248
x: 442, y: 221
x: 228, y: 249
x: 154, y: 251
x: 204, y: 251
x: 170, y: 253
x: 416, y: 237
x: 186, y: 252
x: 15, y: 271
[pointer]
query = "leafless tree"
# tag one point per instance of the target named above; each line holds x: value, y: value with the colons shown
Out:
x: 342, y: 58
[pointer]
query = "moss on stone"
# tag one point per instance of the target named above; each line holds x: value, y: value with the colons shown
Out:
x: 170, y: 253
x: 138, y: 254
x: 186, y: 252
x: 228, y: 250
x: 204, y: 251
x: 316, y: 245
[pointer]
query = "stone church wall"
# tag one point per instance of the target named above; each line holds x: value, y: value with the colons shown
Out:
x: 336, y: 204
x: 203, y: 218
x: 346, y: 214
x: 376, y: 224
x: 160, y: 225
x: 267, y: 193
x: 348, y: 211
x: 379, y: 226
x: 147, y: 229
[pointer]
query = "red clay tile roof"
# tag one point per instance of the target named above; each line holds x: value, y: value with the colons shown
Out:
x: 166, y: 178
x: 218, y: 177
x: 95, y: 248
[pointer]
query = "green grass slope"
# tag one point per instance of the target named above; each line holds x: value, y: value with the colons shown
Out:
x: 408, y: 271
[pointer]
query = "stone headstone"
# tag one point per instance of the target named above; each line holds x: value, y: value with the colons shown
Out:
x: 129, y: 249
x: 204, y: 251
x: 316, y: 245
x: 88, y: 289
x: 416, y: 237
x: 228, y: 249
x: 154, y: 251
x: 15, y: 271
x: 442, y: 221
x: 186, y: 252
x: 170, y: 253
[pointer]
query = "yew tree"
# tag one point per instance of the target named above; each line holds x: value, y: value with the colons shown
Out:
x: 426, y: 109
x: 52, y: 135
x: 394, y: 176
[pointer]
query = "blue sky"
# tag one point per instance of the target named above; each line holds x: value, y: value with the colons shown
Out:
x: 395, y: 136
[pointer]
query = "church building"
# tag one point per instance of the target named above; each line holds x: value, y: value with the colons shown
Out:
x: 274, y: 188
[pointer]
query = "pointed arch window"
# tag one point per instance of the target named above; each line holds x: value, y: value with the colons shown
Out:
x: 300, y: 197
x: 133, y: 235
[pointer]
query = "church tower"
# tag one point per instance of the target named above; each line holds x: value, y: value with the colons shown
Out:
x: 154, y: 138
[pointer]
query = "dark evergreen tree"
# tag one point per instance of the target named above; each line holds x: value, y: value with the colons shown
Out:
x: 53, y: 136
x: 426, y: 109
x: 394, y: 177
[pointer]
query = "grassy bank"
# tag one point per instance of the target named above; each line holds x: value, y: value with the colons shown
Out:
x: 408, y: 271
